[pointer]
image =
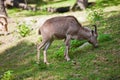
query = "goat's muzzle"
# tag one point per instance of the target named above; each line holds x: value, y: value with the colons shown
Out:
x: 96, y: 45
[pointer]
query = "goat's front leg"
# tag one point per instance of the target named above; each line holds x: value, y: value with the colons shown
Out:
x: 67, y: 43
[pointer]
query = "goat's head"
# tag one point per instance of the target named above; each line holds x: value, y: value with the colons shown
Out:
x: 93, y: 38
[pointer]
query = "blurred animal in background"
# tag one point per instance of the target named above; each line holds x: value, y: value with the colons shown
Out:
x: 59, y: 9
x: 3, y: 24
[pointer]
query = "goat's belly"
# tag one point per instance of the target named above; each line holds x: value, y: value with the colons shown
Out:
x: 59, y: 36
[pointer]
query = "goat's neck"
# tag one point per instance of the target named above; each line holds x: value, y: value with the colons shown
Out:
x: 84, y: 33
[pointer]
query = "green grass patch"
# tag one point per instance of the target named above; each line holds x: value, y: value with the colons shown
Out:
x: 19, y: 12
x: 104, y: 37
x: 61, y: 3
x: 102, y: 63
x: 106, y: 3
x: 22, y: 13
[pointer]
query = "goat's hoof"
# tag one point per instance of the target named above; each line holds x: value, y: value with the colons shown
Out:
x: 47, y: 63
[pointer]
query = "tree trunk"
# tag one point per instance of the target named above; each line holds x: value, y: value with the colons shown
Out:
x: 82, y: 4
x: 26, y: 2
x: 2, y: 8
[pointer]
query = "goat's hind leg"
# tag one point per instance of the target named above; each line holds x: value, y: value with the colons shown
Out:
x: 38, y: 49
x: 47, y: 45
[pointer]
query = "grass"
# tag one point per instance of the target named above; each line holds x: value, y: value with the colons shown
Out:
x: 60, y: 3
x: 102, y: 63
x: 19, y: 12
x: 55, y: 4
x: 106, y: 3
x: 22, y: 13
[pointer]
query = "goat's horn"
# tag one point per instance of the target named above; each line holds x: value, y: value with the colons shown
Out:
x: 95, y: 28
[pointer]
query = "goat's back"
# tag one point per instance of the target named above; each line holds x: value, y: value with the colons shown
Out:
x: 60, y: 26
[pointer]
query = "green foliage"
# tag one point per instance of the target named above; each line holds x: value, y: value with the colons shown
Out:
x: 105, y: 3
x: 41, y: 66
x: 77, y: 43
x: 7, y: 75
x: 18, y: 12
x: 74, y: 43
x: 59, y: 53
x: 23, y: 30
x: 95, y: 16
x: 104, y: 37
x: 60, y: 3
x: 39, y: 40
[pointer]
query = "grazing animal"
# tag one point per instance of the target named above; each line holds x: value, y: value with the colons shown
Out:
x: 64, y: 27
x: 3, y: 24
x: 59, y: 10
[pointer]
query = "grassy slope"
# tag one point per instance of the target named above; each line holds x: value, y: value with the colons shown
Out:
x: 102, y: 63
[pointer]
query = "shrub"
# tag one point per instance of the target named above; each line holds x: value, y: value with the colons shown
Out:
x: 7, y: 75
x: 23, y: 29
x: 95, y: 16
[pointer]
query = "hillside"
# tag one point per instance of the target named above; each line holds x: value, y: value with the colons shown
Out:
x: 18, y: 54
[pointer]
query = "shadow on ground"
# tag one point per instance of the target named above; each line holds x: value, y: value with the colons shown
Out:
x: 18, y: 58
